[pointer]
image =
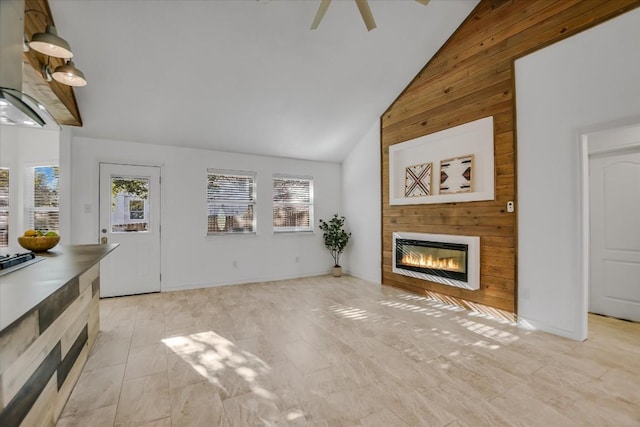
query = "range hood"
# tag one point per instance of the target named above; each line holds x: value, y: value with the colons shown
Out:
x: 17, y: 108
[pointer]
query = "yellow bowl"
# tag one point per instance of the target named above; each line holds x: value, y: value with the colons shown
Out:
x: 38, y: 243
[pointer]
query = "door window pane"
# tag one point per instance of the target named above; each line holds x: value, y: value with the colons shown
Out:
x: 129, y: 204
x: 136, y: 209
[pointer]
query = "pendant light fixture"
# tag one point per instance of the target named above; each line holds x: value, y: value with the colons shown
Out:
x: 51, y: 44
x: 69, y: 75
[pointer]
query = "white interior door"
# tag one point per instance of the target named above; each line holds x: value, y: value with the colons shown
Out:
x: 130, y: 216
x: 615, y: 235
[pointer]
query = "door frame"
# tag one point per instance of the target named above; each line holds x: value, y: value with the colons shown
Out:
x: 595, y: 141
x: 160, y: 167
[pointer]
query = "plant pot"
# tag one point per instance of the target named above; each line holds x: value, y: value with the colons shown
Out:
x: 336, y: 272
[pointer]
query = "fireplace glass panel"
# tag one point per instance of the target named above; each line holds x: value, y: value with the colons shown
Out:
x: 441, y: 259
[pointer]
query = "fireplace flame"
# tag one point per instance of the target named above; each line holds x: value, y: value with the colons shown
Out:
x: 429, y: 262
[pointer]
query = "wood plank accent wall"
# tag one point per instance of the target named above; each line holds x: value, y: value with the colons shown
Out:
x: 471, y: 77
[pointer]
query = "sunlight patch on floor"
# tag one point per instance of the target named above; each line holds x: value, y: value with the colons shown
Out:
x: 484, y: 344
x: 443, y: 302
x: 526, y: 325
x: 213, y: 357
x: 413, y: 308
x: 349, y: 312
x: 295, y: 415
x: 473, y: 309
x: 503, y: 337
x: 480, y: 310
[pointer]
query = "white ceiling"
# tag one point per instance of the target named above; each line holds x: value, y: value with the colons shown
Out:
x: 247, y: 76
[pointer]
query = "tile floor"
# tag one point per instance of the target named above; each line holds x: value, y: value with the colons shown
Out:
x: 344, y: 352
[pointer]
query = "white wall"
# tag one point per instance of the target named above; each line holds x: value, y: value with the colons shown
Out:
x: 20, y: 148
x: 361, y: 207
x: 64, y: 181
x: 190, y: 259
x: 587, y: 80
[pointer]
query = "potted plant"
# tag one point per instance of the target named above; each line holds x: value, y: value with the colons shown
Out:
x: 335, y: 239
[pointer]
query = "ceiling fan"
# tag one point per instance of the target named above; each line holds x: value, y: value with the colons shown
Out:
x: 363, y: 7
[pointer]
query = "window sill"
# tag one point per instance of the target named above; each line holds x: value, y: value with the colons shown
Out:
x: 308, y: 232
x: 232, y: 233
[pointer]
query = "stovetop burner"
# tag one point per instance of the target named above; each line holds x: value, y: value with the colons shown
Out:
x: 11, y: 260
x: 10, y: 263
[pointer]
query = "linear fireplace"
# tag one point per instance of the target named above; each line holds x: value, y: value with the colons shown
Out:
x: 442, y: 258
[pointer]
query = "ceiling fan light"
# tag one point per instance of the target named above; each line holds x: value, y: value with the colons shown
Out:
x: 69, y: 75
x: 51, y: 44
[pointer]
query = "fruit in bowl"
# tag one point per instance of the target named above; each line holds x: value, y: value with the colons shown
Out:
x: 37, y: 241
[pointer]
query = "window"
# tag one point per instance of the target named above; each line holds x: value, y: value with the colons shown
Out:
x: 128, y: 204
x: 292, y: 203
x: 4, y: 207
x: 43, y: 211
x: 231, y: 201
x: 136, y: 209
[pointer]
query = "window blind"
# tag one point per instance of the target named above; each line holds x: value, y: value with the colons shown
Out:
x: 292, y: 203
x: 231, y: 200
x: 4, y: 207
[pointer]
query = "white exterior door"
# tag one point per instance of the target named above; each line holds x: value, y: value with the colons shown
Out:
x: 615, y: 235
x: 130, y: 216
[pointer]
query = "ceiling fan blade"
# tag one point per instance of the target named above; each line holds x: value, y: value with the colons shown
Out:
x: 423, y: 2
x: 320, y: 13
x: 367, y: 16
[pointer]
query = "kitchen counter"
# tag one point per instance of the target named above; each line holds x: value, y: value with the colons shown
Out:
x: 23, y: 290
x: 49, y: 320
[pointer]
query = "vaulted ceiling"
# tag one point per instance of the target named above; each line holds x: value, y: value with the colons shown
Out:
x: 247, y: 76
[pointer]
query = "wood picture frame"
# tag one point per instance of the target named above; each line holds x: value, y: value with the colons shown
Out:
x: 418, y: 180
x: 456, y: 175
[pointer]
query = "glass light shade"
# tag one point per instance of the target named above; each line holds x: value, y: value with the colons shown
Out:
x: 69, y: 75
x: 51, y: 44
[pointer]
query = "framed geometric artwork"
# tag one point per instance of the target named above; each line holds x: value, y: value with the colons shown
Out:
x: 467, y: 176
x: 417, y: 180
x: 456, y: 175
